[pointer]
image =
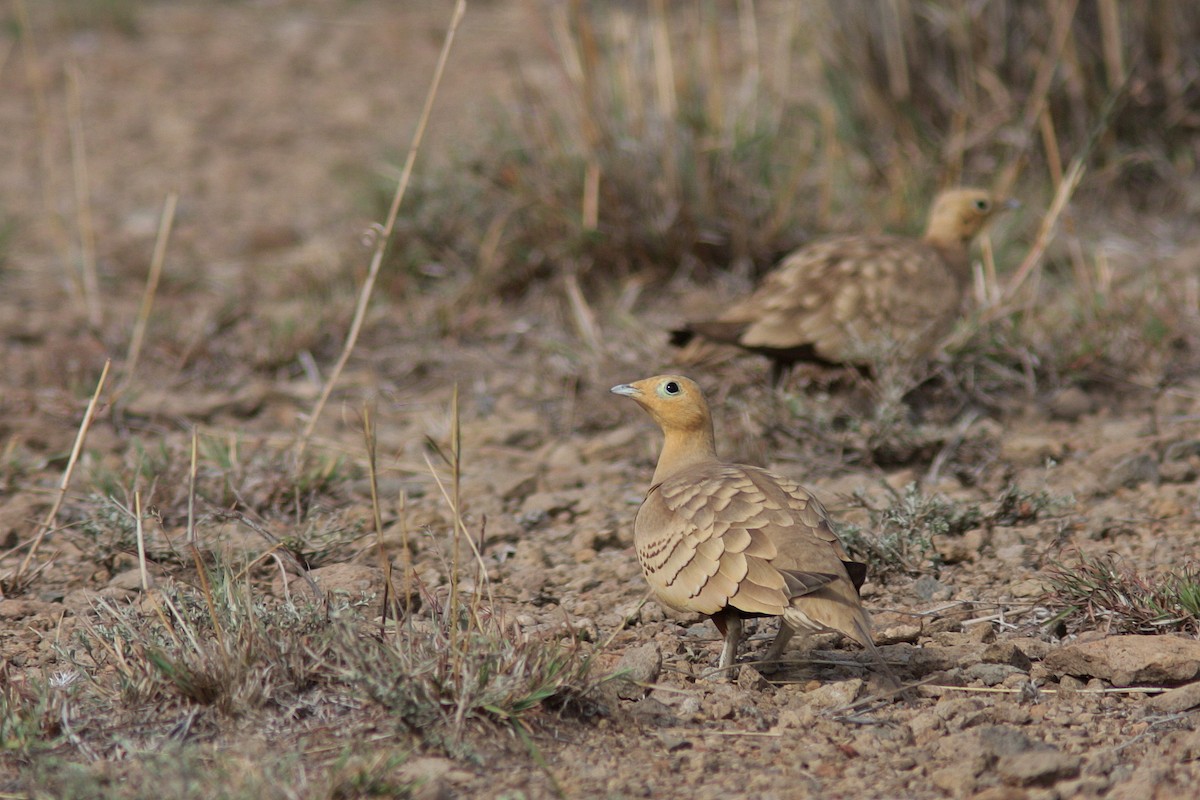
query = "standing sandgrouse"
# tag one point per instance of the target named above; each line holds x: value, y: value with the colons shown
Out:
x: 734, y: 541
x: 857, y: 299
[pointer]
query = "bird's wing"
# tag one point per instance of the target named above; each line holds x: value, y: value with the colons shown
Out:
x: 844, y: 296
x: 724, y: 535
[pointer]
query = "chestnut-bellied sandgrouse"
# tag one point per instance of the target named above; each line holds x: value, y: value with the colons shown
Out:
x: 734, y: 541
x: 857, y: 300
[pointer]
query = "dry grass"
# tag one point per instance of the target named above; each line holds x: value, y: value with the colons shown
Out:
x: 1107, y: 593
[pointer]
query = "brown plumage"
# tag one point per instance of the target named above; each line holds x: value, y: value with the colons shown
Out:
x: 734, y: 541
x: 857, y: 299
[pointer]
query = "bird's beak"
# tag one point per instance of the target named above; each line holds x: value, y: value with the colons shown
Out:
x: 626, y: 389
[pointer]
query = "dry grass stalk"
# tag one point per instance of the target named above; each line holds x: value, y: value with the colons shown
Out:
x: 1033, y: 258
x: 141, y: 541
x: 14, y: 581
x: 152, y: 279
x: 384, y: 234
x: 191, y: 499
x: 391, y: 603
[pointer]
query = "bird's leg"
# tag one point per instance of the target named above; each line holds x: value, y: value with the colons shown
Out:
x: 729, y: 624
x: 781, y: 641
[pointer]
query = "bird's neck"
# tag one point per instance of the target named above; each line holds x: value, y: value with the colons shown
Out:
x: 954, y: 251
x: 683, y: 449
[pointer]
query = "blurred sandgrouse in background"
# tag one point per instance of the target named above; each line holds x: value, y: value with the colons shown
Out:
x: 734, y: 541
x: 857, y: 300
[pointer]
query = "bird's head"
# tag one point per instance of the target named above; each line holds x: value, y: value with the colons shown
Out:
x: 675, y: 402
x: 959, y: 215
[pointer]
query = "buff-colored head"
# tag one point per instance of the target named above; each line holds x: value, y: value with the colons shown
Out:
x: 958, y: 215
x: 675, y: 402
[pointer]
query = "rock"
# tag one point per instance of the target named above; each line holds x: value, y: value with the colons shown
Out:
x: 638, y: 667
x: 991, y: 674
x: 429, y: 778
x: 751, y: 680
x: 80, y: 600
x: 1041, y: 767
x: 1130, y: 660
x: 1176, y: 700
x: 904, y: 632
x: 1031, y: 587
x: 928, y: 588
x: 956, y: 549
x: 834, y: 695
x: 1131, y: 472
x: 1007, y: 653
x: 1034, y: 649
x: 350, y: 581
x: 131, y: 579
x: 933, y: 658
x: 19, y: 608
x: 1069, y: 404
x: 958, y: 779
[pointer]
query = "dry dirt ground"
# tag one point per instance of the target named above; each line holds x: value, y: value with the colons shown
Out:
x: 268, y: 119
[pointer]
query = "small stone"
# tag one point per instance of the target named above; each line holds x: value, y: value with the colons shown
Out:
x: 927, y: 586
x: 1176, y: 700
x: 957, y: 549
x: 1031, y: 587
x: 958, y: 779
x: 904, y: 632
x: 131, y: 579
x: 1038, y: 767
x: 1069, y: 404
x: 1007, y: 653
x: 834, y: 695
x: 638, y: 667
x: 991, y: 674
x: 1130, y: 660
x: 1132, y: 471
x: 751, y: 680
x: 933, y: 658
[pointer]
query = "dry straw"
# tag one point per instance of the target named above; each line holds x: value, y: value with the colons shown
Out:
x: 384, y: 235
x: 16, y: 579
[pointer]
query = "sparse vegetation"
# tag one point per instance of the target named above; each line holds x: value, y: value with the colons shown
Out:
x: 1107, y: 593
x: 899, y: 538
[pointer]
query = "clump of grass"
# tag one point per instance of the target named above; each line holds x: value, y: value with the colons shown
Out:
x: 29, y: 715
x: 975, y: 84
x: 899, y: 538
x: 900, y: 541
x: 673, y: 141
x: 187, y: 771
x: 441, y: 675
x: 215, y: 646
x: 460, y: 662
x: 1108, y: 593
x: 1089, y: 325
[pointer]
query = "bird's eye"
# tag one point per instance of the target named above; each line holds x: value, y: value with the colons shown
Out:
x: 982, y: 205
x: 671, y: 387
